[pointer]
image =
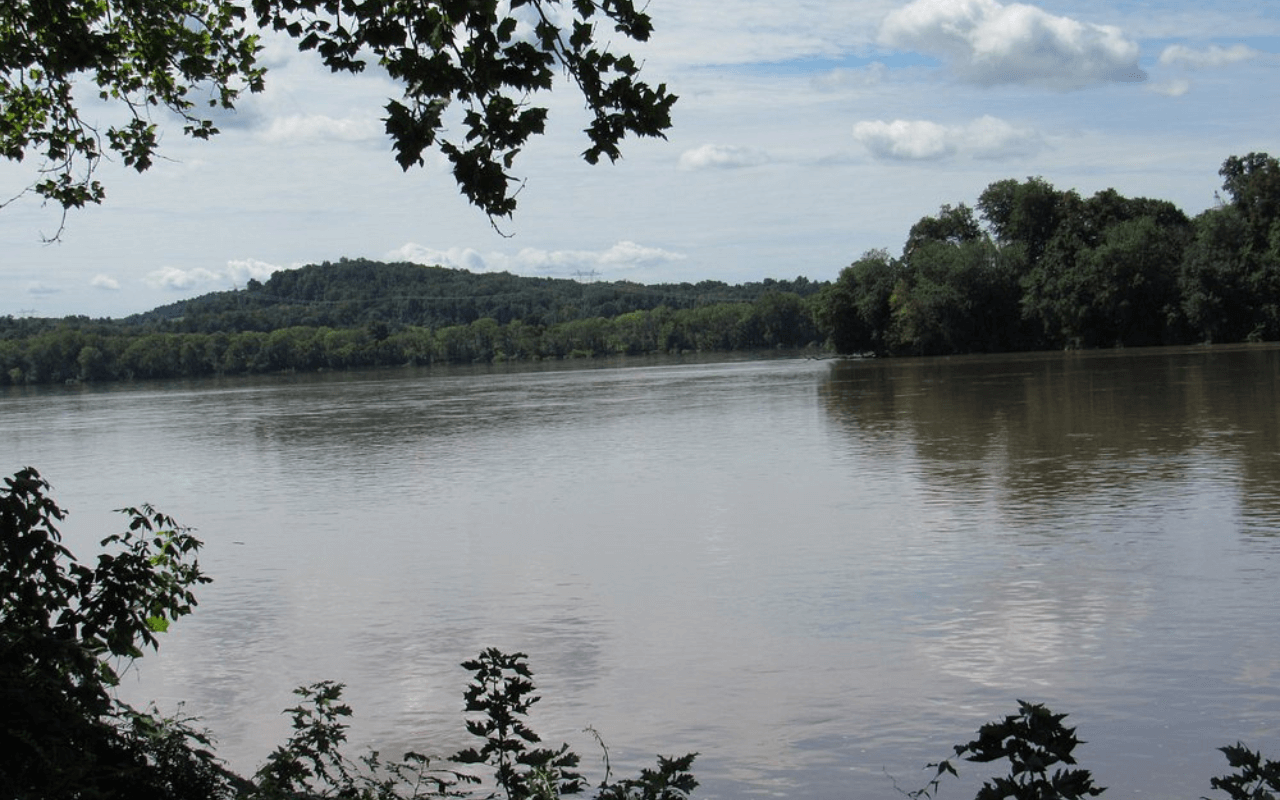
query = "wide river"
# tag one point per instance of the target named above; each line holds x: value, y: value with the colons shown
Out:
x: 819, y: 575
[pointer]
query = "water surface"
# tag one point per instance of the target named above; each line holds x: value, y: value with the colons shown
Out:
x: 813, y: 573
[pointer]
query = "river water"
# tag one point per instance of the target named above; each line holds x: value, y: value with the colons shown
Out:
x: 819, y: 575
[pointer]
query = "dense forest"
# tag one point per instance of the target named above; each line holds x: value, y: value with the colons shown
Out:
x: 1034, y: 268
x: 1050, y: 269
x: 361, y: 314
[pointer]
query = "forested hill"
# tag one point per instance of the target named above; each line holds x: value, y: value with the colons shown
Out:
x: 363, y: 314
x: 356, y: 293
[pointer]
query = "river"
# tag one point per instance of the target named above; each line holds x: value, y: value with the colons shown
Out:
x: 819, y: 575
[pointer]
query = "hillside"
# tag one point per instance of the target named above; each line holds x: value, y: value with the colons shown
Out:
x: 355, y: 293
x: 364, y: 314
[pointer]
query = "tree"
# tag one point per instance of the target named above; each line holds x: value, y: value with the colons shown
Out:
x: 855, y: 310
x: 486, y: 56
x: 1108, y: 278
x: 64, y: 626
x: 1128, y: 284
x: 1229, y: 277
x: 956, y: 297
x: 1253, y: 182
x: 140, y: 55
x: 1025, y: 213
x: 952, y: 225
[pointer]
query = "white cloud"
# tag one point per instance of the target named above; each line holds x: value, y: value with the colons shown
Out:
x: 910, y: 140
x: 625, y: 255
x: 990, y: 43
x: 320, y: 128
x: 105, y: 282
x: 1181, y: 60
x: 455, y: 257
x: 921, y: 140
x: 990, y: 137
x: 239, y: 271
x: 721, y: 156
x: 1214, y: 56
x: 235, y: 274
x: 758, y: 31
x: 1171, y: 88
x: 37, y: 289
x: 181, y: 280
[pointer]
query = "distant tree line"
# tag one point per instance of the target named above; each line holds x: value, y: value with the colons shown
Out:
x: 87, y: 351
x: 1034, y: 268
x: 1050, y: 269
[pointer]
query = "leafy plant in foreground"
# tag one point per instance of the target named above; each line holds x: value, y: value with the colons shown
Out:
x: 501, y: 689
x: 312, y: 765
x: 1255, y: 778
x: 1033, y: 741
x: 64, y: 629
x: 501, y: 692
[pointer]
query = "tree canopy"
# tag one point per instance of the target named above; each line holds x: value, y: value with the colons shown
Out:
x: 189, y: 57
x: 1044, y: 268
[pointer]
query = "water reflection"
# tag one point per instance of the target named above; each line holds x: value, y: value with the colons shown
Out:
x: 1041, y: 435
x: 1118, y: 513
x: 808, y: 572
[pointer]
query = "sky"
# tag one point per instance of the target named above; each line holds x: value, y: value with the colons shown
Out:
x: 807, y: 133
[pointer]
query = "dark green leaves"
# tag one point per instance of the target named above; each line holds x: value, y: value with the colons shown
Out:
x: 143, y: 54
x: 1255, y: 778
x: 146, y: 54
x: 670, y: 781
x: 1033, y: 741
x: 64, y: 626
x: 499, y: 698
x: 489, y: 61
x: 500, y: 694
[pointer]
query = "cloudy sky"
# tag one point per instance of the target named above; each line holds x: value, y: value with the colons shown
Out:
x: 807, y: 133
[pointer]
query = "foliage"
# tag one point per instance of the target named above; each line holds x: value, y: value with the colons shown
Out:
x: 139, y: 55
x: 358, y: 293
x: 1055, y: 270
x: 501, y: 693
x: 1214, y: 280
x: 855, y: 311
x: 1032, y: 741
x: 1253, y: 183
x: 328, y: 317
x: 489, y: 57
x: 64, y: 628
x: 1255, y: 778
x: 670, y: 781
x: 486, y: 56
x: 312, y: 763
